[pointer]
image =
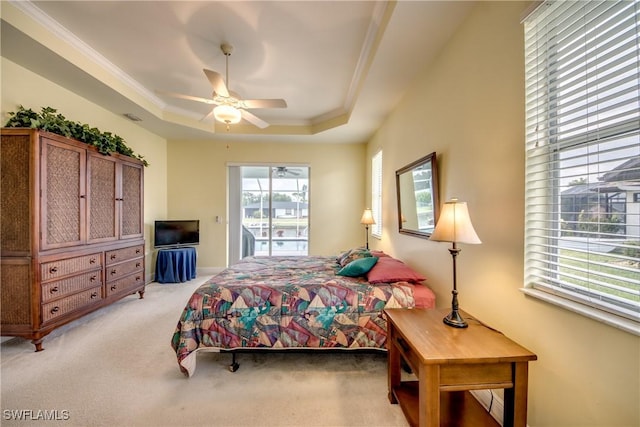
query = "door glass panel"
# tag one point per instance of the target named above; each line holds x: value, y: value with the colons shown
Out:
x: 275, y: 209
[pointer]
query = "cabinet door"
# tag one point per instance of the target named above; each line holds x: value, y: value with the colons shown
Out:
x: 102, y: 209
x: 16, y: 195
x: 131, y: 200
x: 63, y: 195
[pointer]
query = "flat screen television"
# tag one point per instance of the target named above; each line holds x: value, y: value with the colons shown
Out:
x: 176, y: 233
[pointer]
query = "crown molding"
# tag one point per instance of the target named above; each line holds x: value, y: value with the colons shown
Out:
x: 381, y: 15
x: 60, y: 32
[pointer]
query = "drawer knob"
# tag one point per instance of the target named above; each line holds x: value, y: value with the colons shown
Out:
x: 113, y: 272
x: 138, y: 278
x: 137, y: 264
x: 114, y: 287
x: 55, y: 309
x: 92, y: 261
x: 53, y: 290
x: 92, y: 278
x: 94, y: 295
x: 113, y: 256
x: 53, y: 270
x: 138, y: 250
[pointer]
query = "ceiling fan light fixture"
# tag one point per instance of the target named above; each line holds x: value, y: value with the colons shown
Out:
x: 230, y: 107
x: 227, y: 114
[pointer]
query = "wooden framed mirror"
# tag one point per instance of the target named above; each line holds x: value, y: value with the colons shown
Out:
x: 418, y: 199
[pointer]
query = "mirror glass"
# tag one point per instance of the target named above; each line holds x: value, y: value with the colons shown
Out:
x: 418, y: 204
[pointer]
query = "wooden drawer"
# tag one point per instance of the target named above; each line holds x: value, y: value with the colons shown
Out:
x: 119, y: 255
x: 117, y: 271
x: 66, y: 305
x: 129, y: 282
x: 65, y: 267
x: 70, y: 285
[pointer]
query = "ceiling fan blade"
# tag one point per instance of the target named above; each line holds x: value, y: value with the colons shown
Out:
x: 255, y: 120
x: 210, y: 114
x: 265, y: 103
x: 187, y: 97
x: 282, y: 171
x: 217, y: 81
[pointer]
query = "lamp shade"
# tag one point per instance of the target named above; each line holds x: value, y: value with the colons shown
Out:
x: 227, y: 114
x: 367, y: 217
x: 454, y: 224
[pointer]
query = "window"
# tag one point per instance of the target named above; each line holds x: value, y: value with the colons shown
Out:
x: 582, y: 229
x: 376, y: 194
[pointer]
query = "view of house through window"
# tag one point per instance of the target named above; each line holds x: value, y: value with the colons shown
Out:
x: 275, y: 210
x: 583, y: 154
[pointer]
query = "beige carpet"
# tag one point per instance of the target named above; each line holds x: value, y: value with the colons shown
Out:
x: 116, y: 368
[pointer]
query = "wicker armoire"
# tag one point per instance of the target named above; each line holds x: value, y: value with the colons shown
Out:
x: 72, y: 231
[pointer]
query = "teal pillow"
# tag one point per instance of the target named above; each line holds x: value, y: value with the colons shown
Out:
x: 358, y: 267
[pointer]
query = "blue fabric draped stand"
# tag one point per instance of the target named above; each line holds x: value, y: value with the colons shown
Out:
x: 176, y: 265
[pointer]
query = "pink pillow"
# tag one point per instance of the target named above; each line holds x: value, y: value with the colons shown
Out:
x: 391, y: 270
x: 378, y: 254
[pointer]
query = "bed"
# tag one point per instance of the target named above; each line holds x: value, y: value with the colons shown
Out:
x: 313, y: 302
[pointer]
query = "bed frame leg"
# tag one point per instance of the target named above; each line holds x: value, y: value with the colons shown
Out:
x: 234, y: 365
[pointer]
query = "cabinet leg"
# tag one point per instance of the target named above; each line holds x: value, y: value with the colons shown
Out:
x: 141, y: 292
x: 38, y: 344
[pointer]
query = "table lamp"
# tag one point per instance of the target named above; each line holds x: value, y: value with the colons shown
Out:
x: 367, y: 220
x: 454, y: 225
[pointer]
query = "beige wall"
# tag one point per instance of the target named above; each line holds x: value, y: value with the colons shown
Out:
x: 22, y: 87
x: 197, y: 188
x: 469, y: 108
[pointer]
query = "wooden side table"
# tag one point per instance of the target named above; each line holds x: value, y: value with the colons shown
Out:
x: 450, y: 361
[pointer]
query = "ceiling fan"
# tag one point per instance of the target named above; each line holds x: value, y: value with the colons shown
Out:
x: 230, y: 107
x: 283, y: 171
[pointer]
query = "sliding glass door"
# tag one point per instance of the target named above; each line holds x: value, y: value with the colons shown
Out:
x: 272, y: 210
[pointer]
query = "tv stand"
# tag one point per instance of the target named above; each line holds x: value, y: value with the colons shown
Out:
x: 175, y: 265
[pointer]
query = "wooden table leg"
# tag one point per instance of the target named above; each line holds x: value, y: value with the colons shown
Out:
x: 393, y: 363
x: 429, y: 385
x: 515, y: 399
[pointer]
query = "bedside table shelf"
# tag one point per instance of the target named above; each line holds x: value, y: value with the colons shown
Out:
x: 451, y: 404
x: 448, y: 362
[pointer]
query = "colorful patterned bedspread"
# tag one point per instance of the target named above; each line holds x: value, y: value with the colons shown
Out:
x: 286, y: 302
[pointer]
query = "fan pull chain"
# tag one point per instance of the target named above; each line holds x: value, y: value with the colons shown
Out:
x: 227, y: 59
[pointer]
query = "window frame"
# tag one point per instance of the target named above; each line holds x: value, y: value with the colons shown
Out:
x: 376, y: 194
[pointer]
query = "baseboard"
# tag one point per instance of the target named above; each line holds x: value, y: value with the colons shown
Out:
x: 491, y: 402
x: 200, y: 271
x: 208, y: 271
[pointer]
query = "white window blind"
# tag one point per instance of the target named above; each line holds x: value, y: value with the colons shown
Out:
x: 583, y: 153
x: 376, y: 194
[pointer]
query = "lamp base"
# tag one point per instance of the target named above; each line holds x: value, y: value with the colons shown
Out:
x: 454, y: 319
